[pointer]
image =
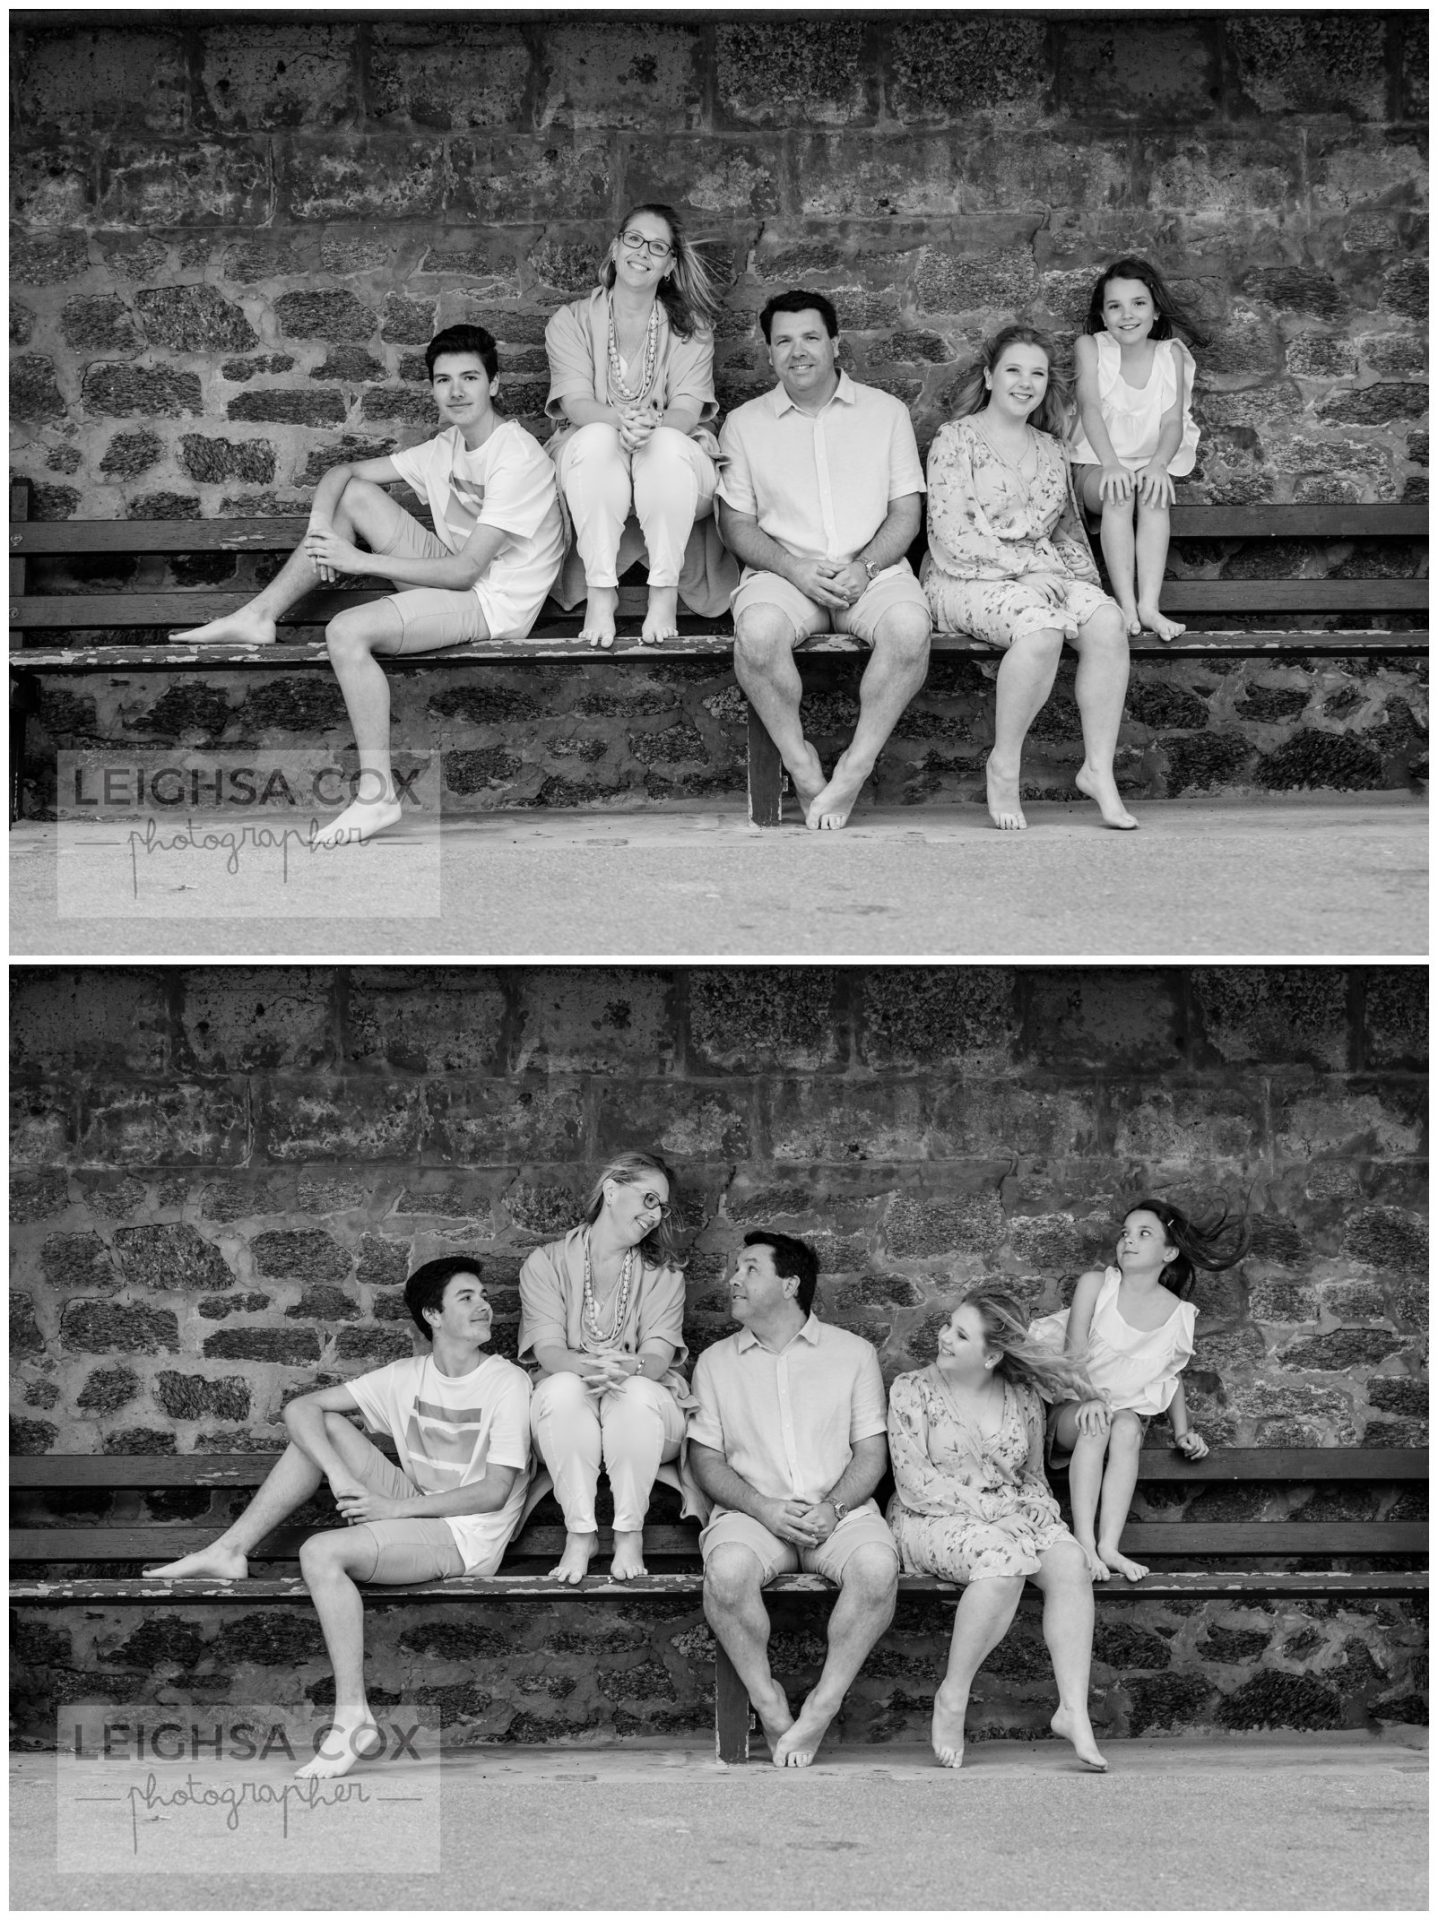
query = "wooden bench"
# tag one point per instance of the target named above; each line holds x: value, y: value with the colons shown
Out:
x: 1191, y: 1558
x: 38, y: 620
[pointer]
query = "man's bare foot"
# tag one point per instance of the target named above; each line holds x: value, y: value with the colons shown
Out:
x: 775, y: 1715
x: 346, y: 1742
x: 1003, y: 797
x: 210, y: 1563
x: 661, y: 622
x: 1074, y: 1727
x: 1132, y: 624
x: 808, y: 778
x: 1160, y: 624
x: 1102, y: 789
x: 239, y: 628
x: 573, y: 1563
x: 361, y: 820
x: 947, y: 1736
x: 628, y: 1561
x: 798, y: 1746
x: 1097, y: 1569
x: 599, y: 611
x: 831, y: 807
x: 1120, y: 1562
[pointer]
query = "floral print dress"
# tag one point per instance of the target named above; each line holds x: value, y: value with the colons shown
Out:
x: 969, y: 1505
x: 989, y: 526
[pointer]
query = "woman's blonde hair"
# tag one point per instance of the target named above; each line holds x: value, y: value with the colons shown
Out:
x: 661, y: 1247
x: 687, y: 287
x: 1052, y: 413
x: 1054, y: 1375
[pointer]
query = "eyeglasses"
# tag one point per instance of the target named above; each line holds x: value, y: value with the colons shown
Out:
x: 656, y: 249
x: 653, y: 1204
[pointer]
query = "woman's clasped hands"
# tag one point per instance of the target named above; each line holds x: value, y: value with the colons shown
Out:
x: 637, y: 421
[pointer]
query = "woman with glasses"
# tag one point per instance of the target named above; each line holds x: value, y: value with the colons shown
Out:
x: 602, y: 1313
x: 631, y: 379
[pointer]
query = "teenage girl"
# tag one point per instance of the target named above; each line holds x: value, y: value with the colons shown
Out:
x: 1137, y: 433
x: 1131, y: 1326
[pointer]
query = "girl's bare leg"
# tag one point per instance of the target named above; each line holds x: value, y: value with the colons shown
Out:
x: 983, y: 1616
x: 1063, y: 1580
x: 1152, y: 552
x: 1026, y: 678
x: 1125, y: 1442
x: 1099, y: 688
x: 1085, y: 1479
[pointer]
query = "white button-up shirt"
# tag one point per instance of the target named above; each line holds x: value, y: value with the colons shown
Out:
x: 787, y: 1422
x: 820, y: 484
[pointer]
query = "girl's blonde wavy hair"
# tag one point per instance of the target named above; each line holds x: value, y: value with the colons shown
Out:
x: 1054, y: 411
x: 1055, y: 1376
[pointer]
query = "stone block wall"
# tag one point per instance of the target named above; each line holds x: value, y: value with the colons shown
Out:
x: 231, y: 244
x: 222, y: 1177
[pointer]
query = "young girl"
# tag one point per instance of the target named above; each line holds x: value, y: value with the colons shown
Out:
x: 1132, y: 1328
x: 1137, y: 433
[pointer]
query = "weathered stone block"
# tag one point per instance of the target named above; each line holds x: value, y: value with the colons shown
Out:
x: 571, y: 1020
x: 75, y: 1260
x: 517, y: 178
x: 43, y: 1124
x: 34, y: 394
x: 834, y: 1120
x: 1338, y: 1352
x: 325, y: 314
x: 107, y: 79
x: 944, y: 65
x: 1282, y: 1301
x: 295, y: 407
x: 25, y: 1334
x: 972, y: 282
x: 682, y: 1122
x: 1139, y: 70
x: 129, y: 454
x: 1320, y: 356
x: 167, y: 1257
x: 1396, y: 1017
x: 382, y: 1263
x: 1272, y: 1699
x: 1310, y: 63
x: 42, y: 259
x: 1405, y: 288
x: 52, y: 186
x: 1165, y: 1125
x: 194, y: 319
x: 1274, y: 1013
x: 445, y: 1022
x: 354, y: 1120
x: 635, y: 74
x: 911, y: 1016
x: 354, y: 364
x: 234, y: 1018
x: 192, y: 1397
x: 201, y: 184
x: 489, y: 1121
x: 410, y: 407
x: 764, y: 1018
x: 168, y: 1124
x: 343, y: 178
x: 283, y: 1346
x: 415, y: 76
x: 1388, y: 1238
x: 374, y: 1345
x: 307, y: 1255
x: 256, y: 364
x: 102, y: 321
x: 269, y: 75
x: 32, y: 1436
x: 163, y: 505
x: 351, y: 447
x: 110, y: 388
x: 1129, y: 1018
x: 780, y: 73
x: 919, y: 1229
x: 1376, y: 406
x: 212, y: 461
x: 37, y: 1196
x: 92, y: 1326
x: 221, y: 1308
x: 323, y: 1303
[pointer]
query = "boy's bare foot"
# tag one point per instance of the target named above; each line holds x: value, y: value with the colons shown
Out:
x: 573, y: 1563
x: 947, y: 1735
x: 346, y: 1742
x: 1120, y: 1562
x: 628, y: 1561
x: 1098, y: 1570
x: 808, y: 779
x: 599, y: 611
x: 1102, y: 789
x: 798, y: 1746
x: 1074, y: 1727
x: 831, y: 806
x: 1160, y: 624
x: 210, y: 1563
x: 242, y: 628
x: 361, y: 820
x: 661, y: 622
x: 1003, y: 797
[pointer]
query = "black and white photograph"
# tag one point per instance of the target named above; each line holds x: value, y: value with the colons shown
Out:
x: 718, y: 960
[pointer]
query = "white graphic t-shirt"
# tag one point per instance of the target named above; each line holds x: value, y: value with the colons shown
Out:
x: 507, y: 483
x: 448, y: 1430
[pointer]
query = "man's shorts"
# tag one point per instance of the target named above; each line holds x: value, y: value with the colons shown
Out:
x: 894, y: 587
x: 863, y: 1526
x: 405, y: 1551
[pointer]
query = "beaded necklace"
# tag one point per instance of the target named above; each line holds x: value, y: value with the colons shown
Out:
x: 589, y: 1316
x: 619, y: 385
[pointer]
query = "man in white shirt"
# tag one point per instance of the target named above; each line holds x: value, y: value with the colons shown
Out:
x: 819, y: 497
x: 788, y: 1439
x: 484, y: 572
x: 459, y: 1419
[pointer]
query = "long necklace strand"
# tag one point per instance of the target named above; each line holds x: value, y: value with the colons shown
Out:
x: 617, y: 378
x: 592, y: 1324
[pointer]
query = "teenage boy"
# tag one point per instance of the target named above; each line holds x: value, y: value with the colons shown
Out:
x: 483, y: 573
x: 459, y: 1419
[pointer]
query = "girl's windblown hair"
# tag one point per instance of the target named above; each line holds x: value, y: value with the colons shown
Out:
x: 1211, y: 1244
x: 687, y: 288
x: 1055, y: 1375
x: 1051, y: 415
x: 660, y: 1248
x: 1169, y: 315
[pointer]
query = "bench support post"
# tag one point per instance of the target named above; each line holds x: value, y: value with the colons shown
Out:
x: 766, y: 775
x: 731, y: 1712
x: 20, y: 692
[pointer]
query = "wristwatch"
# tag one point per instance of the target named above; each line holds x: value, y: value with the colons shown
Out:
x: 871, y: 568
x: 841, y: 1512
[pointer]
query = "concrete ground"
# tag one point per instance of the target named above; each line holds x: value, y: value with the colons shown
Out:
x: 1249, y: 1823
x: 1295, y: 875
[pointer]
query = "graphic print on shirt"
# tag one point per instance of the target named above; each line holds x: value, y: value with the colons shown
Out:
x: 445, y: 1445
x: 466, y: 504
